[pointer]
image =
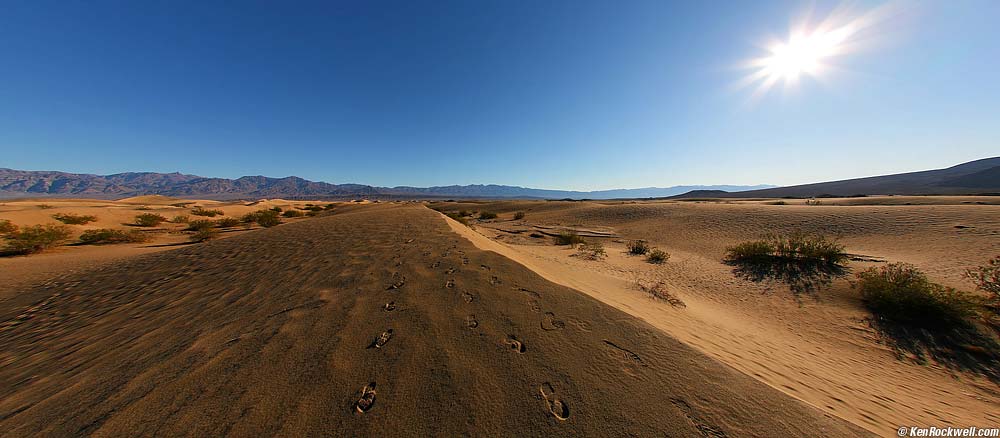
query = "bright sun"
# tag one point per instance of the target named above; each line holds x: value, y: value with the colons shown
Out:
x: 802, y: 54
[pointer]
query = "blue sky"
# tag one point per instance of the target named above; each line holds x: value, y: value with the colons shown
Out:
x: 567, y: 95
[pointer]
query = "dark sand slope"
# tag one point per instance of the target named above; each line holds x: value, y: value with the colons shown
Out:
x: 275, y: 332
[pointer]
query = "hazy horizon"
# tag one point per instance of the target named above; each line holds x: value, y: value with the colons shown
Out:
x: 562, y: 95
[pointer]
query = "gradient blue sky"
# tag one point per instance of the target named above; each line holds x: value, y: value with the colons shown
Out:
x: 568, y: 95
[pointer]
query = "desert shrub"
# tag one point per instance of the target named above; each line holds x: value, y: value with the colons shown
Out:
x: 149, y: 220
x: 518, y: 215
x: 330, y: 206
x: 276, y: 209
x: 660, y: 291
x: 227, y: 222
x: 144, y: 207
x: 7, y: 227
x: 315, y: 208
x: 292, y: 213
x: 796, y: 247
x: 312, y: 213
x: 900, y: 293
x: 200, y: 225
x: 813, y: 202
x: 203, y: 235
x: 464, y: 213
x: 487, y: 215
x: 74, y: 219
x: 568, y: 238
x: 265, y: 218
x: 987, y: 279
x: 181, y: 219
x: 201, y: 211
x: 44, y: 206
x: 591, y: 251
x: 778, y: 203
x: 458, y: 217
x: 637, y: 247
x: 35, y: 238
x: 657, y: 256
x: 107, y: 235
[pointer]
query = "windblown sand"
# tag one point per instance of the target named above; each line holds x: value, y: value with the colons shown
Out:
x: 375, y: 320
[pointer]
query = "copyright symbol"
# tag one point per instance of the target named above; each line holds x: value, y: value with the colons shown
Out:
x: 901, y: 431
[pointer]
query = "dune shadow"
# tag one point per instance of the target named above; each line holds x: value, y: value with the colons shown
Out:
x: 962, y: 348
x: 803, y: 277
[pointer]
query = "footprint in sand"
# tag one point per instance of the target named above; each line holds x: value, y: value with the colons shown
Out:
x: 398, y: 280
x: 390, y: 306
x: 450, y: 271
x: 435, y: 264
x: 465, y: 260
x: 557, y: 407
x: 470, y: 321
x: 367, y: 398
x: 494, y: 280
x: 467, y: 297
x: 515, y: 344
x: 450, y: 284
x: 705, y: 429
x: 380, y: 341
x: 484, y: 267
x: 549, y: 322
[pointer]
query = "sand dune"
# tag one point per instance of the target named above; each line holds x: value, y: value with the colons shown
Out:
x: 376, y: 321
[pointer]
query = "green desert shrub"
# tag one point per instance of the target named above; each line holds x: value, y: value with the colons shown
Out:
x: 637, y: 247
x: 657, y: 256
x: 203, y: 235
x: 591, y: 251
x: 200, y: 224
x: 518, y: 215
x: 987, y: 278
x: 35, y: 238
x: 276, y: 209
x: 108, y: 235
x: 315, y: 208
x: 458, y: 217
x: 264, y: 218
x: 293, y: 213
x: 201, y: 211
x: 568, y: 238
x: 487, y: 215
x: 74, y: 219
x: 7, y: 227
x: 900, y: 293
x: 149, y: 220
x: 181, y: 219
x: 227, y: 222
x: 796, y: 247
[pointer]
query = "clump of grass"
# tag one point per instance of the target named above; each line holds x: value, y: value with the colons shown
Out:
x: 264, y: 218
x: 987, y: 279
x: 591, y: 251
x: 660, y: 291
x: 778, y: 203
x: 657, y: 256
x: 464, y: 213
x: 227, y: 222
x: 518, y: 215
x: 74, y: 219
x: 149, y: 220
x: 108, y: 235
x: 44, y: 206
x: 293, y: 213
x: 200, y: 225
x: 568, y: 238
x: 276, y: 209
x: 36, y: 238
x: 797, y: 247
x: 458, y: 217
x: 204, y: 234
x: 7, y: 227
x: 181, y: 219
x: 637, y: 247
x: 330, y: 206
x: 201, y: 211
x: 900, y: 293
x: 314, y: 208
x: 487, y: 215
x: 142, y: 208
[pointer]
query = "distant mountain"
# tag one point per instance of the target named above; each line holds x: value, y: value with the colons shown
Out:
x: 980, y: 176
x: 24, y: 183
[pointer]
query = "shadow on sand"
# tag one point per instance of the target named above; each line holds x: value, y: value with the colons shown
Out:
x: 964, y: 347
x: 801, y: 276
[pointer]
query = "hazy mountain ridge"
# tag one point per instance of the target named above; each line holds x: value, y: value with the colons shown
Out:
x: 23, y: 183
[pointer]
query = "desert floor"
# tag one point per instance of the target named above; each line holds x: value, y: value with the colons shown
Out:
x: 450, y: 330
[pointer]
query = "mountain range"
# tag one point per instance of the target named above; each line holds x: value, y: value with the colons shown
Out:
x: 25, y: 183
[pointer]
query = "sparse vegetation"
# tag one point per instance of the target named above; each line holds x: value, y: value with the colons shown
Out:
x: 314, y: 208
x: 518, y: 215
x: 276, y: 209
x: 637, y: 247
x: 200, y: 225
x: 108, y: 236
x: 149, y: 220
x: 813, y: 201
x: 464, y: 213
x: 659, y: 290
x: 798, y: 247
x: 900, y: 293
x: 778, y: 203
x: 568, y: 238
x: 657, y: 256
x: 330, y: 206
x: 201, y: 211
x: 44, y: 206
x: 74, y: 219
x: 987, y: 279
x: 591, y: 251
x: 293, y: 213
x: 144, y: 207
x: 264, y: 218
x: 36, y: 238
x: 204, y: 234
x: 7, y: 227
x: 458, y: 217
x: 181, y: 219
x: 227, y: 222
x: 487, y: 215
